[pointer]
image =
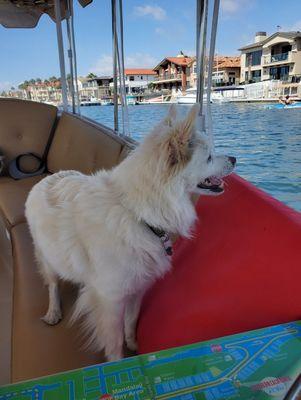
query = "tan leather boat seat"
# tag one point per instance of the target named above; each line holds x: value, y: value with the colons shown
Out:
x: 13, y: 195
x: 28, y: 347
x: 81, y: 145
x: 36, y: 348
x: 25, y: 127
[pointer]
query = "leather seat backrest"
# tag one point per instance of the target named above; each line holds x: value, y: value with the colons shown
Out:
x: 25, y: 126
x: 82, y: 145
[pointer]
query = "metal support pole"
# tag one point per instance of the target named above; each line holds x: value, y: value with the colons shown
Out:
x: 70, y: 55
x: 73, y: 48
x: 114, y: 39
x: 125, y: 116
x: 60, y: 44
x: 212, y: 47
x: 201, y: 31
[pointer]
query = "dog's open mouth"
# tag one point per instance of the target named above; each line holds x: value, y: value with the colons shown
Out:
x: 213, y: 183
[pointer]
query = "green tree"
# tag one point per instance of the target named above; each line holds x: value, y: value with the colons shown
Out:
x: 91, y: 76
x: 39, y: 80
x: 32, y: 81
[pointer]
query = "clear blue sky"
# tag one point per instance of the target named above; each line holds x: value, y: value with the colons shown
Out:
x: 153, y: 30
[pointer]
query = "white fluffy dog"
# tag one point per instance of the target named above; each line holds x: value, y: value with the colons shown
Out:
x: 101, y: 231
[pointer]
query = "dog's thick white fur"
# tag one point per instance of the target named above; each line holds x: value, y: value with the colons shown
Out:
x: 93, y: 230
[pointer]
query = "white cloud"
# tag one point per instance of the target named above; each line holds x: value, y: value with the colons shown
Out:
x: 5, y: 86
x: 295, y: 27
x: 233, y: 6
x: 160, y: 31
x: 104, y: 65
x: 154, y: 11
x: 173, y: 32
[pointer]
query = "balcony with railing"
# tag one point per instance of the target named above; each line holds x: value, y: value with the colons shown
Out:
x: 277, y: 58
x: 168, y: 77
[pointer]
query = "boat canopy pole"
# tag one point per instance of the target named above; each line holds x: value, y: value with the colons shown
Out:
x: 118, y: 67
x: 57, y: 7
x: 204, y: 62
x: 114, y: 40
x: 72, y: 58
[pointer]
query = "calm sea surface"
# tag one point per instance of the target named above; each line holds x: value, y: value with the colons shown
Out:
x: 267, y: 143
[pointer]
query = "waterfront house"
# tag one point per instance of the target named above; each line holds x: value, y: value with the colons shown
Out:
x: 94, y: 87
x: 87, y: 88
x: 172, y: 73
x: 137, y: 80
x: 277, y: 56
x: 226, y: 71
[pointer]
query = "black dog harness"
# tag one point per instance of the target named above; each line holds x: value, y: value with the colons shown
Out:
x: 164, y: 237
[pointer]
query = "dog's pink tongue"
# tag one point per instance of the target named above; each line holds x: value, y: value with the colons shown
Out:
x: 214, y: 180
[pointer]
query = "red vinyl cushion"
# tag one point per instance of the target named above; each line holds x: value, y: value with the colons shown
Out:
x: 241, y: 271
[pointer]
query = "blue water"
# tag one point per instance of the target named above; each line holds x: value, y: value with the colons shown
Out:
x: 267, y: 143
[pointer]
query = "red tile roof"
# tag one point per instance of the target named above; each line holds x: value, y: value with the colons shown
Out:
x: 226, y: 62
x: 139, y: 71
x: 183, y: 61
x: 180, y: 60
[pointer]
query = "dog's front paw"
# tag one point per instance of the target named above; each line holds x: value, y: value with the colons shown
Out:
x: 114, y: 357
x: 52, y: 317
x: 131, y: 343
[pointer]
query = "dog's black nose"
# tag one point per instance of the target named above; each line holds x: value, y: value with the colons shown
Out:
x: 232, y: 160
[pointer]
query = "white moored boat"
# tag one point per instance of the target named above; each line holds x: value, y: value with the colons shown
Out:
x: 190, y: 97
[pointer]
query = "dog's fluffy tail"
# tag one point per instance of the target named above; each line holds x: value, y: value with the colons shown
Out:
x: 89, y: 310
x: 102, y: 322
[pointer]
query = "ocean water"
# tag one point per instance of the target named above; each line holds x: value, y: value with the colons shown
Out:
x: 266, y: 143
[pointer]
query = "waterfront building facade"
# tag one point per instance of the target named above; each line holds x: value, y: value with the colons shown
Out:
x: 226, y: 71
x: 172, y: 72
x: 137, y: 80
x: 95, y: 87
x: 274, y: 57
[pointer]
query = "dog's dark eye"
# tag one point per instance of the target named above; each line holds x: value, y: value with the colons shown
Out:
x: 209, y: 159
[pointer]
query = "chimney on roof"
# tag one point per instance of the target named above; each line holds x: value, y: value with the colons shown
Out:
x: 181, y: 55
x: 260, y: 36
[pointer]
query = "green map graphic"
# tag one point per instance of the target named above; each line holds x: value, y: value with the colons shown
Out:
x: 259, y: 365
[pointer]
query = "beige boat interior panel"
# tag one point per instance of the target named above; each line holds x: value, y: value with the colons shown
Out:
x: 6, y: 303
x: 28, y: 347
x: 25, y: 127
x: 13, y: 195
x: 26, y: 14
x: 80, y: 145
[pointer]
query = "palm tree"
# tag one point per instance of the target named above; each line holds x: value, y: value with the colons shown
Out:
x: 39, y: 80
x: 53, y: 79
x: 91, y: 76
x: 32, y: 81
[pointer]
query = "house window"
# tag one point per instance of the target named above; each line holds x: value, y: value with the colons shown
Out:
x: 256, y: 75
x: 253, y: 58
x: 141, y: 77
x: 132, y: 78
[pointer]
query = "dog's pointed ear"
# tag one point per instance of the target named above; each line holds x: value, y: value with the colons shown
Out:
x: 180, y: 138
x: 171, y: 116
x: 188, y: 125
